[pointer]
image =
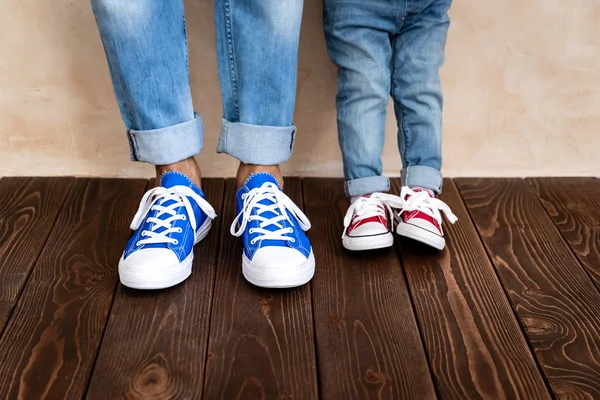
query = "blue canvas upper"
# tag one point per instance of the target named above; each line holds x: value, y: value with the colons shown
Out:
x: 300, y: 243
x: 186, y: 237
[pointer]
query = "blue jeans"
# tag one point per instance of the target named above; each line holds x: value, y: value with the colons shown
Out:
x: 384, y: 47
x: 257, y: 47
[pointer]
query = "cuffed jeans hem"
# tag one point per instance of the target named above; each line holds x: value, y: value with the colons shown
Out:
x: 423, y: 177
x: 362, y: 186
x: 167, y: 145
x: 257, y: 144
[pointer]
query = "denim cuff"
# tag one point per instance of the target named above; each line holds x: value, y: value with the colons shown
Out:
x: 423, y: 177
x: 257, y: 144
x: 167, y: 145
x: 362, y: 186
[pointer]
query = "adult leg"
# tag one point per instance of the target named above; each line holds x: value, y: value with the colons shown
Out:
x: 146, y: 48
x: 257, y: 46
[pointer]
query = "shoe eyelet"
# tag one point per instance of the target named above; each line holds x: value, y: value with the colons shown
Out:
x: 293, y: 240
x: 179, y: 230
x: 251, y: 231
x: 137, y: 244
x: 175, y: 242
x: 253, y: 241
x: 183, y: 217
x: 144, y: 233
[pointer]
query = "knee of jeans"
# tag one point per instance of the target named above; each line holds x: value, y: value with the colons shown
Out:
x: 364, y: 88
x: 360, y: 139
x: 121, y: 11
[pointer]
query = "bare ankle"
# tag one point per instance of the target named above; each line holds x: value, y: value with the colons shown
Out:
x: 245, y: 170
x: 189, y: 167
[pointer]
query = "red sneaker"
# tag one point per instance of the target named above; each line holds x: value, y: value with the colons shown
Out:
x: 421, y: 217
x: 367, y: 224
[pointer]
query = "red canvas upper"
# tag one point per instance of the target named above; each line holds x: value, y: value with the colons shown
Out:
x: 416, y: 214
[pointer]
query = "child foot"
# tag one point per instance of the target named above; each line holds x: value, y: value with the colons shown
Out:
x: 277, y: 253
x: 420, y: 217
x: 172, y: 218
x: 367, y: 224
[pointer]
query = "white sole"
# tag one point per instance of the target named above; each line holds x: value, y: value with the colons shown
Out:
x: 165, y: 277
x: 203, y: 231
x: 361, y: 243
x: 279, y: 278
x: 421, y: 235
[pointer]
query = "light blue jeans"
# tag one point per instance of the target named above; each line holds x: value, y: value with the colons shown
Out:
x: 257, y: 47
x: 384, y: 47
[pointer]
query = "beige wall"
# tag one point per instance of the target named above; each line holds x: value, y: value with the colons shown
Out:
x: 522, y: 86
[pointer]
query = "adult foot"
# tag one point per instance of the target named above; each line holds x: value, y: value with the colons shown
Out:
x: 421, y: 217
x: 246, y: 170
x: 171, y: 219
x: 277, y: 253
x: 368, y: 221
x: 189, y: 167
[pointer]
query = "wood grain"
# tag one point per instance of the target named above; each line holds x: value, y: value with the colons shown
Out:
x: 261, y: 343
x: 574, y: 206
x: 155, y: 341
x: 553, y: 297
x: 368, y: 342
x: 28, y: 210
x: 50, y: 344
x: 475, y: 346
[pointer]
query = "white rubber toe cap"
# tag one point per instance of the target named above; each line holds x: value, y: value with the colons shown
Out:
x: 145, y: 259
x: 278, y: 257
x: 278, y: 267
x: 154, y: 269
x: 369, y: 229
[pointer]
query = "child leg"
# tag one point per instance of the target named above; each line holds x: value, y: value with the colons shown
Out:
x: 417, y: 93
x: 358, y: 40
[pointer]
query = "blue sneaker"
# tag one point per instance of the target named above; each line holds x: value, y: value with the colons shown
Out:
x: 277, y: 253
x: 171, y: 219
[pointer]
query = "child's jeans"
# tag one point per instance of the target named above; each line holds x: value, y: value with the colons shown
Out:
x: 384, y: 47
x: 257, y: 50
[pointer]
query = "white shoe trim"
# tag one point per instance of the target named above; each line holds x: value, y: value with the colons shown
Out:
x: 156, y: 278
x: 282, y: 277
x: 203, y: 231
x: 421, y: 235
x: 360, y: 243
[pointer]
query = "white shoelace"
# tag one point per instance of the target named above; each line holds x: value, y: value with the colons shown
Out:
x: 179, y: 195
x: 426, y: 204
x: 268, y: 191
x: 376, y: 205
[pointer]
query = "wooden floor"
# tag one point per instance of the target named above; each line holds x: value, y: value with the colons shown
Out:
x: 511, y: 310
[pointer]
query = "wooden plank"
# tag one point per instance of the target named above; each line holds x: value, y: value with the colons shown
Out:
x: 475, y: 346
x: 28, y: 210
x: 261, y: 341
x: 50, y: 344
x: 553, y: 297
x: 574, y: 206
x: 368, y: 342
x: 155, y: 341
